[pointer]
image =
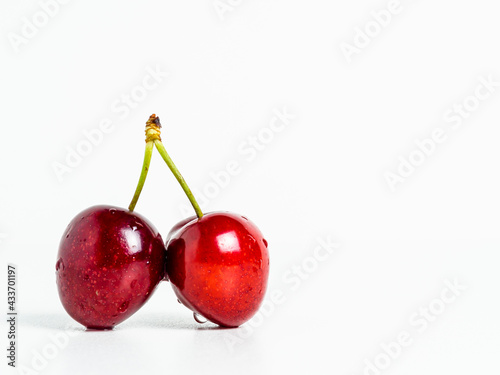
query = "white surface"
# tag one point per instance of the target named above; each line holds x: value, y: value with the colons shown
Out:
x: 321, y: 176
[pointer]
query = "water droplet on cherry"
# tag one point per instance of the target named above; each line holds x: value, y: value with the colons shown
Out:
x: 179, y: 301
x: 265, y: 242
x: 123, y: 307
x: 112, y: 211
x: 68, y: 230
x: 251, y: 238
x: 60, y: 265
x: 199, y: 319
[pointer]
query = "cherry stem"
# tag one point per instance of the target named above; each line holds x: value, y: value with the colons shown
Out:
x: 155, y: 126
x: 152, y: 133
x: 144, y: 173
x: 163, y: 152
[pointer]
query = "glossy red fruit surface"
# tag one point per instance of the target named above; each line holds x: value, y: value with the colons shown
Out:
x: 174, y: 230
x: 218, y: 267
x: 110, y: 261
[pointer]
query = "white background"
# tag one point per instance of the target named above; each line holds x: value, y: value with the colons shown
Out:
x: 322, y: 176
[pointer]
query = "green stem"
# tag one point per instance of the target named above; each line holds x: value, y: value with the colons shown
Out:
x: 163, y: 152
x: 144, y: 174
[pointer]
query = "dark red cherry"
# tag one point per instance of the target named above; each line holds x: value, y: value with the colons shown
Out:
x: 218, y: 266
x: 109, y: 263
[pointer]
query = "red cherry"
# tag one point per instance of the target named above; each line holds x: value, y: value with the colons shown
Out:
x: 109, y: 263
x: 218, y: 263
x: 218, y: 266
x: 110, y: 259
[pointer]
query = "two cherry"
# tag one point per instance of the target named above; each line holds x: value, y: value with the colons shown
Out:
x: 111, y: 259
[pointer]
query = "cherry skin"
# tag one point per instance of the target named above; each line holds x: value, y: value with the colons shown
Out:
x: 174, y: 230
x: 218, y: 266
x: 179, y: 225
x: 109, y: 263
